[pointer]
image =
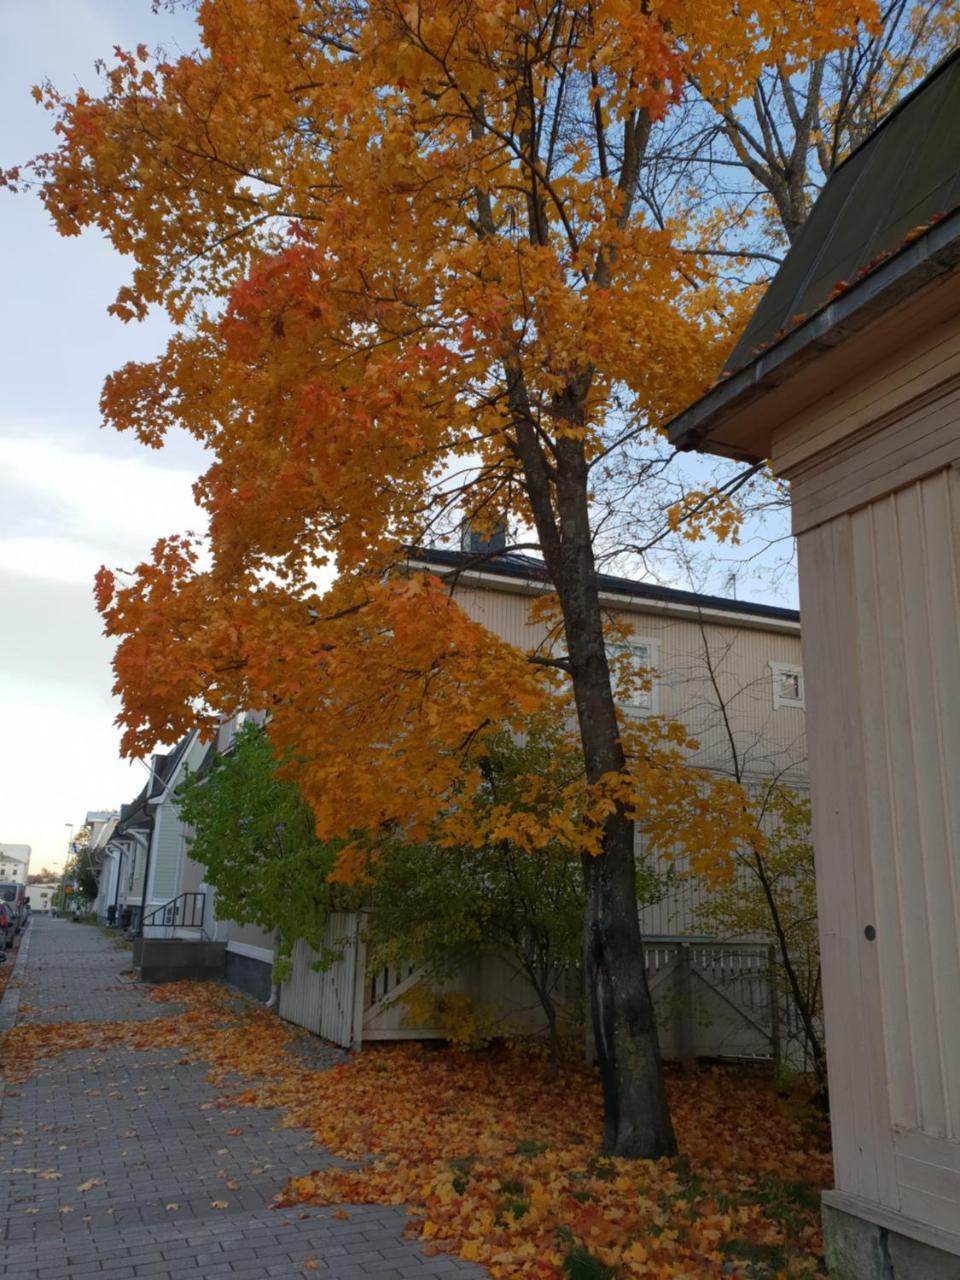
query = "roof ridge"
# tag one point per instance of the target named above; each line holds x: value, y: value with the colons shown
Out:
x: 899, y: 105
x: 503, y: 562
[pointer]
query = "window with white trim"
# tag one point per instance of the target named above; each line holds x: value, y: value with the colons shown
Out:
x: 787, y: 685
x: 634, y: 682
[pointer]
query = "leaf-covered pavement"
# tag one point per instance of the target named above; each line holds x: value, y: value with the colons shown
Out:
x: 496, y: 1160
x: 122, y: 1158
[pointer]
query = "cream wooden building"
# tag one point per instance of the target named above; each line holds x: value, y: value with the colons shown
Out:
x: 729, y: 670
x: 852, y: 390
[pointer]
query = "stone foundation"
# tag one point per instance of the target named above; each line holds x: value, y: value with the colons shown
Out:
x: 255, y: 977
x: 170, y: 959
x: 860, y: 1250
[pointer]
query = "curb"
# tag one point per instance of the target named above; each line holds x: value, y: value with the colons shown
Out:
x: 10, y: 1004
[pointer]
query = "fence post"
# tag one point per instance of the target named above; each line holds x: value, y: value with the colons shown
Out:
x: 774, y: 1004
x: 359, y: 984
x: 683, y: 1009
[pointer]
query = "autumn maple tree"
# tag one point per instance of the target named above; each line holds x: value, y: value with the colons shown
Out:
x: 413, y: 282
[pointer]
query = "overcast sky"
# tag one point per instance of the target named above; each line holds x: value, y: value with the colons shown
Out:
x: 72, y: 495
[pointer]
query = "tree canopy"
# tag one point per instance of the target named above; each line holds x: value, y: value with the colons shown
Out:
x: 410, y: 272
x: 425, y: 264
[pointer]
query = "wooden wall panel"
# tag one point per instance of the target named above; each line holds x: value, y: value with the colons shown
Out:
x: 881, y: 706
x: 861, y: 1128
x: 885, y: 457
x: 926, y: 358
x: 768, y: 740
x: 941, y: 535
x: 882, y: 652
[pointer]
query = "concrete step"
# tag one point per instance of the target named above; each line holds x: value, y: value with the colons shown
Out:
x: 170, y: 959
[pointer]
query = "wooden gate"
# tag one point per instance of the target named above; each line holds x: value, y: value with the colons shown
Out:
x: 719, y: 1000
x: 713, y: 999
x: 324, y: 993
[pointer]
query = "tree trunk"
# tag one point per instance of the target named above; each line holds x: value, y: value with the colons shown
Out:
x: 636, y: 1116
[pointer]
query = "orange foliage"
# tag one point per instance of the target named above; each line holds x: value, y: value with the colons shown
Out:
x: 497, y: 1160
x: 385, y: 265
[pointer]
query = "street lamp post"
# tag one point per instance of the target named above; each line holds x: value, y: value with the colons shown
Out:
x: 63, y: 877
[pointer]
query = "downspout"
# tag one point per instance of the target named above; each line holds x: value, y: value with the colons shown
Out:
x: 146, y: 876
x: 151, y: 768
x: 116, y: 893
x: 274, y: 1001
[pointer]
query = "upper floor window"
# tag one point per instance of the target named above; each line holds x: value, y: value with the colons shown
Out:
x: 633, y: 668
x: 787, y: 685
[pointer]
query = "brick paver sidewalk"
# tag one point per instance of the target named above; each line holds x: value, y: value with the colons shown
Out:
x: 110, y: 1162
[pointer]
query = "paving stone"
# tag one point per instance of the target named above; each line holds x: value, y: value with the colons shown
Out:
x: 135, y: 1125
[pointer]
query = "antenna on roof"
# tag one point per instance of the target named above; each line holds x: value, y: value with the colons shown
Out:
x: 730, y: 586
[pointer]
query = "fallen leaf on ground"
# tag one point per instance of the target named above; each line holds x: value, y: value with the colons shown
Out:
x: 498, y: 1161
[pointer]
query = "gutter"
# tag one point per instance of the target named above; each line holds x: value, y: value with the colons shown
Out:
x: 935, y: 253
x: 116, y: 895
x: 631, y: 603
x: 174, y: 772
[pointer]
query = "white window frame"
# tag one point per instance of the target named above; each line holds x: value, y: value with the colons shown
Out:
x: 778, y: 670
x: 651, y: 661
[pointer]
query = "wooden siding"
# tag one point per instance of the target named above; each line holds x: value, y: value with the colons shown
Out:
x: 885, y: 457
x: 923, y: 358
x: 169, y: 843
x: 768, y: 740
x: 165, y: 856
x: 676, y: 914
x: 880, y: 596
x: 134, y: 893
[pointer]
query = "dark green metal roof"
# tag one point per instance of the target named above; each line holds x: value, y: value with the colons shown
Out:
x: 902, y: 179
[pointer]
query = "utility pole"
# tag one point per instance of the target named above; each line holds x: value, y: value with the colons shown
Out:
x: 63, y: 877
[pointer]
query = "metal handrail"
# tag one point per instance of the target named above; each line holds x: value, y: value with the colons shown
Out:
x: 185, y: 911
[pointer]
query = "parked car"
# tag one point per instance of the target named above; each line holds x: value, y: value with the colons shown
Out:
x: 14, y: 896
x: 8, y: 924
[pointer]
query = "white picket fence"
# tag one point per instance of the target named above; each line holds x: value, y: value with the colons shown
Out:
x: 713, y: 1000
x: 329, y: 1000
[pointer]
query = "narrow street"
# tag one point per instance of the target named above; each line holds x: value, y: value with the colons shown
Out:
x: 120, y: 1164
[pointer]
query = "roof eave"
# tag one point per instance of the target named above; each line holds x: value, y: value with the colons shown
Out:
x: 935, y: 253
x: 756, y: 617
